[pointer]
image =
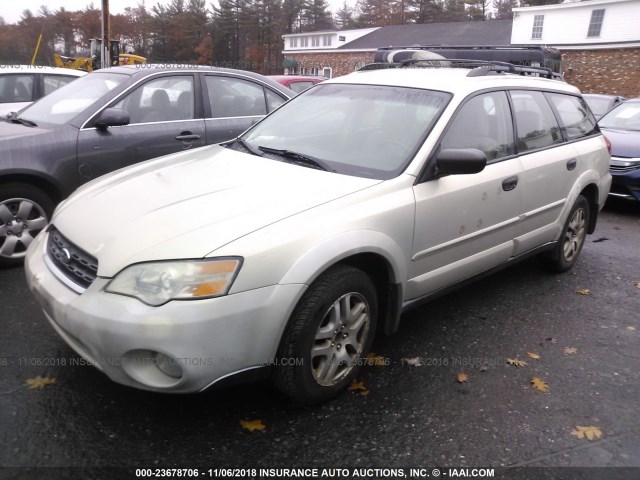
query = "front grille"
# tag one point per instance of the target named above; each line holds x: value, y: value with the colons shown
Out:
x: 619, y: 168
x: 76, y: 264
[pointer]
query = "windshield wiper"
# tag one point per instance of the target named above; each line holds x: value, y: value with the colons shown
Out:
x: 13, y: 117
x: 246, y: 145
x: 300, y: 158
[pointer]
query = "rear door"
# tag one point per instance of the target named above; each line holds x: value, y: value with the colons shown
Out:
x: 165, y: 113
x: 465, y: 224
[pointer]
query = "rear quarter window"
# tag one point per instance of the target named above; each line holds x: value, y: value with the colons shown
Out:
x: 575, y: 118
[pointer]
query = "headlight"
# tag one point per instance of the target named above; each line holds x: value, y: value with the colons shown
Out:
x: 157, y: 283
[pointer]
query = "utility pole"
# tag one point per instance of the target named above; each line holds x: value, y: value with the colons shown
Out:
x: 106, y: 32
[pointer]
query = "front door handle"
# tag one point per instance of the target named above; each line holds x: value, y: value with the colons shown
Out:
x: 186, y: 136
x: 509, y: 183
x: 571, y: 164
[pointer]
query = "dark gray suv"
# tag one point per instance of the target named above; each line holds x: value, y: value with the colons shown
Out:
x: 109, y: 119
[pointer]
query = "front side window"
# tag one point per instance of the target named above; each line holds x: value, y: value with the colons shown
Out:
x: 16, y: 88
x: 595, y: 25
x: 161, y: 100
x: 483, y: 123
x: 577, y: 120
x: 538, y: 24
x: 536, y: 125
x: 362, y: 130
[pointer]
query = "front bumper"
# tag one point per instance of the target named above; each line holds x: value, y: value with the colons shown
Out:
x: 207, y: 340
x: 626, y: 179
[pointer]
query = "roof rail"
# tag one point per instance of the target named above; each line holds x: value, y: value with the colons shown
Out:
x: 478, y: 67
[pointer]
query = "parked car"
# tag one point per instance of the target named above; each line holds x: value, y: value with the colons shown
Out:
x: 601, y: 104
x: 284, y: 251
x: 622, y: 127
x: 297, y: 83
x: 20, y: 85
x: 109, y: 119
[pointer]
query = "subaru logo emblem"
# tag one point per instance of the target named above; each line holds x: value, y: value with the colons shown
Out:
x: 66, y: 256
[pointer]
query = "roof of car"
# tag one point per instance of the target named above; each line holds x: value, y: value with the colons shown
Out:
x: 455, y: 80
x: 310, y: 78
x: 41, y: 69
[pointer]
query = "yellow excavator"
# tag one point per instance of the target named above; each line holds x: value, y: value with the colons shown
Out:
x: 92, y: 62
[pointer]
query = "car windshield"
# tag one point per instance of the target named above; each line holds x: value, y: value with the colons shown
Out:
x: 65, y: 103
x: 625, y: 116
x: 364, y: 130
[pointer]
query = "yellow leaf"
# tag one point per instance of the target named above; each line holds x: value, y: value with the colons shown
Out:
x: 374, y: 359
x: 570, y: 351
x: 631, y: 328
x: 636, y: 284
x: 252, y: 425
x: 462, y: 377
x: 359, y: 387
x: 583, y: 291
x: 39, y: 382
x: 516, y: 362
x: 535, y: 356
x: 590, y: 433
x: 540, y: 384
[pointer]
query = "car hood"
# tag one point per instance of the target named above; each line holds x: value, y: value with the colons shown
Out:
x: 189, y: 204
x: 12, y: 131
x: 624, y: 143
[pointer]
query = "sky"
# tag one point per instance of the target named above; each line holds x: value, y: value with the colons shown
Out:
x: 11, y: 10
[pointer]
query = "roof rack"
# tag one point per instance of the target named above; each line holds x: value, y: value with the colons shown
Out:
x: 479, y: 67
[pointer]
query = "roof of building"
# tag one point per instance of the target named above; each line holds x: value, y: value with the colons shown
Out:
x: 490, y: 32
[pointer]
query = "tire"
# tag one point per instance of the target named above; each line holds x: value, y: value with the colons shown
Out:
x: 566, y: 252
x: 322, y: 347
x: 24, y: 212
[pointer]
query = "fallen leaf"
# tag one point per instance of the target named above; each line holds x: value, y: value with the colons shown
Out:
x: 374, y: 359
x: 483, y: 368
x: 535, y: 356
x: 590, y: 433
x: 540, y: 384
x: 516, y: 362
x: 570, y: 351
x: 631, y: 328
x: 39, y: 382
x: 636, y: 284
x: 583, y: 291
x: 359, y: 387
x: 414, y: 362
x: 252, y: 425
x: 462, y: 377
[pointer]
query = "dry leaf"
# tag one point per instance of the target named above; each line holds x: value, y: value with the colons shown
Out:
x: 590, y: 433
x: 374, y: 359
x: 535, y: 356
x: 359, y: 387
x: 636, y: 284
x: 252, y: 425
x: 39, y: 382
x: 516, y: 362
x: 462, y: 377
x: 570, y: 351
x: 414, y: 362
x: 483, y: 368
x: 631, y: 328
x: 540, y: 384
x: 583, y: 291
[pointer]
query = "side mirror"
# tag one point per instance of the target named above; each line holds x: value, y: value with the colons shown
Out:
x: 112, y: 117
x: 457, y: 161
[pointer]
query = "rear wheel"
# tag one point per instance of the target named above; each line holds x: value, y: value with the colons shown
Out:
x: 330, y: 331
x: 24, y: 212
x: 574, y: 233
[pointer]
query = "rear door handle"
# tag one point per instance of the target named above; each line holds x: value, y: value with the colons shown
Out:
x: 185, y: 136
x: 571, y: 164
x: 509, y: 183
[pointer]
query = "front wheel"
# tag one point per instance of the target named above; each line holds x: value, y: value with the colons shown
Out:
x: 24, y: 212
x: 574, y: 233
x: 330, y: 331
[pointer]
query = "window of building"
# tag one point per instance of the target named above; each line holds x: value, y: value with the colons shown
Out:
x: 304, y: 41
x: 314, y: 70
x: 538, y: 23
x: 342, y: 38
x: 315, y: 41
x: 595, y: 25
x: 293, y: 42
x: 327, y: 71
x: 326, y: 41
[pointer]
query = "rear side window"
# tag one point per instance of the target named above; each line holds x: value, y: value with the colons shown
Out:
x: 54, y: 82
x: 16, y: 88
x: 536, y: 125
x: 483, y: 123
x: 577, y: 121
